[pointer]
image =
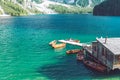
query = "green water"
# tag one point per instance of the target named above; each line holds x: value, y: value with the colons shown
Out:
x: 26, y: 55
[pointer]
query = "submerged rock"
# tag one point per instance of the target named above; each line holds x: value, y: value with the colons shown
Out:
x: 108, y: 8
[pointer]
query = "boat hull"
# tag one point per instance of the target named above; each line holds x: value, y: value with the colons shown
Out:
x: 95, y: 66
x: 59, y: 45
x: 80, y: 56
x: 71, y: 40
x: 72, y: 51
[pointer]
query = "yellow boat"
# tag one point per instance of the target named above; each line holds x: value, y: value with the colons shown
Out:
x: 52, y: 42
x: 59, y: 45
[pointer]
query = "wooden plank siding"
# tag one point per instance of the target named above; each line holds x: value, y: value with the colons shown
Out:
x: 103, y: 54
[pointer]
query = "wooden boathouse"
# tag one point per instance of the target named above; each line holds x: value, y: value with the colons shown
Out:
x: 107, y: 51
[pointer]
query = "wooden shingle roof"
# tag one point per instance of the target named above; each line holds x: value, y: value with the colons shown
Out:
x: 113, y: 44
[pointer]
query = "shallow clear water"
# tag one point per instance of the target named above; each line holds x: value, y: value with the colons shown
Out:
x: 26, y: 55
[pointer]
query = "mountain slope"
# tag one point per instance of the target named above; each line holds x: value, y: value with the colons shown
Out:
x: 28, y: 7
x: 12, y: 9
x: 81, y: 3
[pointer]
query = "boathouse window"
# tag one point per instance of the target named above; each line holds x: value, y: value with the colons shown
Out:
x: 103, y: 53
x: 118, y: 59
x: 110, y: 57
x: 94, y: 48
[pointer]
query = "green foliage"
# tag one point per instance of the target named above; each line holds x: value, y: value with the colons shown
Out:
x: 83, y: 3
x: 12, y: 9
x: 20, y: 1
x: 0, y: 12
x: 35, y: 11
x: 66, y: 10
x: 37, y: 1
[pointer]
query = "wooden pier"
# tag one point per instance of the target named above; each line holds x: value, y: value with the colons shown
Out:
x: 74, y: 43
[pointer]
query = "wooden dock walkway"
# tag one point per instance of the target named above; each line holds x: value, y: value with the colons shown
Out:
x: 74, y: 43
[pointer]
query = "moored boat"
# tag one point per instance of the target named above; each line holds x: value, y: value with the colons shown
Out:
x: 72, y: 51
x: 78, y: 41
x: 96, y: 66
x: 72, y: 40
x: 61, y: 45
x: 52, y: 42
x: 80, y: 56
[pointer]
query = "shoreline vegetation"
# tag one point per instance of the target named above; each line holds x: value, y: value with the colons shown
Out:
x: 58, y: 9
x: 8, y: 8
x: 70, y: 10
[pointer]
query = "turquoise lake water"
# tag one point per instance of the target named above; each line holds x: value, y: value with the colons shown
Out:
x: 26, y: 55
